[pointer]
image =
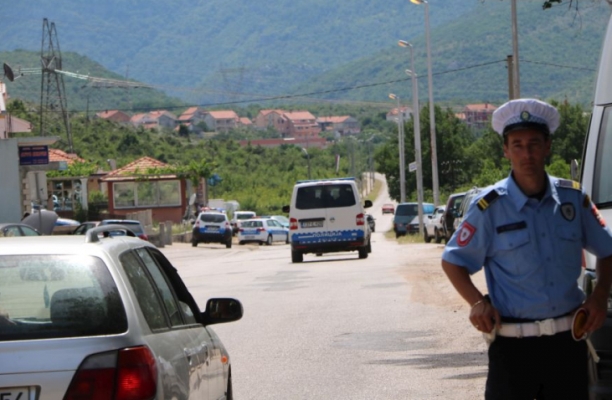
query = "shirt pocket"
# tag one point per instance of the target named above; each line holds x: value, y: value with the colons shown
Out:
x: 568, y: 245
x: 512, y: 251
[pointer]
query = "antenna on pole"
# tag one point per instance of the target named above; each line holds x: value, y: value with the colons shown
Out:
x: 52, y: 91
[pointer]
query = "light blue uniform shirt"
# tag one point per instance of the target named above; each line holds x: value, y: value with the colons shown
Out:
x: 531, y: 250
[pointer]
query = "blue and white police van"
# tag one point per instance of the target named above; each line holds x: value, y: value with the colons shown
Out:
x: 326, y: 216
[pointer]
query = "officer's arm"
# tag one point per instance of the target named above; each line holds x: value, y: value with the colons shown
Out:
x: 597, y: 303
x: 461, y: 280
x: 483, y: 315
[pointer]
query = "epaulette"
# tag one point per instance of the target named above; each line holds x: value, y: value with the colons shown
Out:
x: 569, y: 184
x: 487, y: 200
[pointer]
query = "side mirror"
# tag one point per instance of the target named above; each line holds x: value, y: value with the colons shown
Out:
x: 220, y: 310
x: 286, y: 209
x: 367, y: 204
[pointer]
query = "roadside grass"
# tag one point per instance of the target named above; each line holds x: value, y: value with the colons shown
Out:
x: 406, y: 239
x: 375, y: 191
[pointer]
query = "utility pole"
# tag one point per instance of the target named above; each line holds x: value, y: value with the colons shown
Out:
x: 510, y: 67
x: 515, y: 54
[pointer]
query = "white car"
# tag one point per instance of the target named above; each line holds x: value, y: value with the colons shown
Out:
x: 101, y: 316
x: 262, y: 230
x: 433, y: 225
x: 240, y: 216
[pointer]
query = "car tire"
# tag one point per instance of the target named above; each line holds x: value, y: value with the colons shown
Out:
x: 297, y: 256
x: 363, y: 252
x: 369, y: 247
x: 287, y: 239
x: 426, y: 237
x: 228, y: 243
x: 194, y: 243
x: 241, y: 243
x: 437, y: 236
x: 269, y: 240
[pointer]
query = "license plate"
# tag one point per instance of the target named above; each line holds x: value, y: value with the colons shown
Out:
x: 312, y: 224
x: 17, y: 393
x: 249, y: 237
x: 212, y: 228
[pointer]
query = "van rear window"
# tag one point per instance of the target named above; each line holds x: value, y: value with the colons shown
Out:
x: 602, y: 184
x: 325, y: 196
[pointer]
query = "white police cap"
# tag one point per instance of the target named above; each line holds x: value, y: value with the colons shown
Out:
x: 523, y: 113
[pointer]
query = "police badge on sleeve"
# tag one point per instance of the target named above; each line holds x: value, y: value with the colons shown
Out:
x: 465, y: 233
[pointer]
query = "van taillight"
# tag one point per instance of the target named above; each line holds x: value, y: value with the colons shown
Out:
x: 360, y: 219
x: 293, y: 224
x: 127, y: 374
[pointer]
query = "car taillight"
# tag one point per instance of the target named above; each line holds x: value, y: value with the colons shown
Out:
x: 197, y: 224
x: 241, y: 230
x: 143, y: 237
x: 227, y: 225
x: 261, y: 230
x: 293, y: 224
x: 127, y: 374
x: 360, y: 219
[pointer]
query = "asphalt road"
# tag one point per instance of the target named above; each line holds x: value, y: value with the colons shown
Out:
x: 336, y: 327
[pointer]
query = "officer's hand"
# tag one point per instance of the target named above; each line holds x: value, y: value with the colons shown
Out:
x: 596, y: 306
x: 485, y: 317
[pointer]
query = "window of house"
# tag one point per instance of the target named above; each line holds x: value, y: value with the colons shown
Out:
x: 147, y: 194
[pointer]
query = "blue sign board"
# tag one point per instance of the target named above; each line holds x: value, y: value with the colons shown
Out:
x: 33, y: 155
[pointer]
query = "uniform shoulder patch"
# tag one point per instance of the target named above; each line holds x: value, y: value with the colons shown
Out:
x: 569, y: 184
x: 487, y: 200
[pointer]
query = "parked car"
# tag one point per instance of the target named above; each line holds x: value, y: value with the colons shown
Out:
x: 465, y: 203
x: 132, y: 224
x: 262, y: 230
x: 433, y: 225
x: 84, y: 227
x: 448, y: 218
x: 284, y: 221
x: 404, y: 219
x: 87, y: 317
x: 371, y: 222
x: 388, y: 208
x: 212, y: 227
x: 240, y: 216
x: 11, y: 229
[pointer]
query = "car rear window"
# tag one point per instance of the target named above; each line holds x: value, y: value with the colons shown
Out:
x: 135, y: 227
x: 216, y: 218
x: 325, y: 196
x: 245, y: 216
x: 252, y: 224
x: 58, y: 296
x: 406, y: 209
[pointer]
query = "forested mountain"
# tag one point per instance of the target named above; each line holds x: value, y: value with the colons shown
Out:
x: 235, y: 51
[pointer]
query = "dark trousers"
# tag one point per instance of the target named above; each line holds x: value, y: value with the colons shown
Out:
x: 543, y: 368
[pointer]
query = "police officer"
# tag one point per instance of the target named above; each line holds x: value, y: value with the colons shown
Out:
x: 528, y: 232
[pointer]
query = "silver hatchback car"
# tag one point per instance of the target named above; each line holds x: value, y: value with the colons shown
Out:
x: 105, y: 317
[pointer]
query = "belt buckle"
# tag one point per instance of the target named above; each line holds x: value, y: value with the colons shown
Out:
x: 547, y: 327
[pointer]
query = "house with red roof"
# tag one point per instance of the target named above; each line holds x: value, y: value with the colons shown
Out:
x: 191, y: 118
x: 478, y: 116
x: 301, y: 124
x: 135, y: 187
x: 393, y: 115
x: 271, y: 119
x: 221, y: 121
x: 113, y: 115
x: 344, y: 125
x: 155, y: 120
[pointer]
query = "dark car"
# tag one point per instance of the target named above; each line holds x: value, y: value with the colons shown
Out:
x: 448, y: 218
x: 17, y: 229
x: 132, y: 224
x: 371, y: 222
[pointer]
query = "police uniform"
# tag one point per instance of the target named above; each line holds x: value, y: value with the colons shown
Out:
x: 531, y: 251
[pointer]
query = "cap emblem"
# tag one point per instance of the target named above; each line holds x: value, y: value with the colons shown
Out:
x: 525, y: 116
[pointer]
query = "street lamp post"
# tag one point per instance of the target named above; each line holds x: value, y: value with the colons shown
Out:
x: 432, y: 113
x: 417, y: 137
x: 400, y: 145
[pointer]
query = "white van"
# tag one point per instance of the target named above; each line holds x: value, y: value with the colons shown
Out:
x: 597, y: 181
x: 327, y: 216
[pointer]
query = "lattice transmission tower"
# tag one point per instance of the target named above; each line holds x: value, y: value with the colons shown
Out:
x: 53, y: 103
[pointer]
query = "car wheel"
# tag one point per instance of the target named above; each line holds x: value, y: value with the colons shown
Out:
x: 287, y: 239
x: 194, y: 243
x: 397, y: 235
x: 363, y: 252
x: 437, y: 236
x: 297, y: 257
x: 228, y: 243
x: 426, y: 237
x: 369, y: 246
x: 269, y: 240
